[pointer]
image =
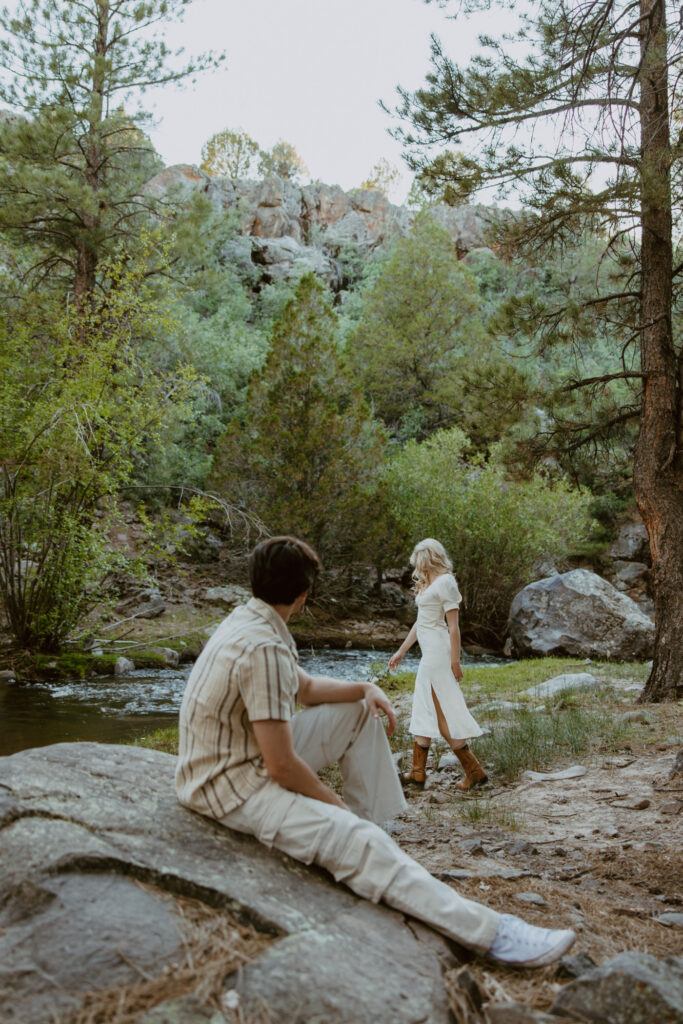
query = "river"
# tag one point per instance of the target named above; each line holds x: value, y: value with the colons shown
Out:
x: 114, y: 709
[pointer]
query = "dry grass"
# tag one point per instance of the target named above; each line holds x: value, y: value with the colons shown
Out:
x: 215, y: 945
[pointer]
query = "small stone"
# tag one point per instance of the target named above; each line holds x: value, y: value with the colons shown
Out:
x: 677, y: 766
x: 531, y: 897
x: 640, y: 806
x: 8, y: 674
x: 473, y: 847
x: 672, y: 807
x: 438, y: 798
x: 671, y: 919
x: 97, y: 652
x: 448, y: 761
x: 167, y: 655
x: 522, y: 849
x: 123, y: 666
x: 574, y: 966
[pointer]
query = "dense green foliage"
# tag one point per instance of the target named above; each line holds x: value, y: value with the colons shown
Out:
x: 497, y: 530
x: 421, y: 347
x: 74, y: 419
x: 307, y: 454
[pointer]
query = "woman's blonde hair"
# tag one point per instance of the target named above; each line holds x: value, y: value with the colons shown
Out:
x: 429, y: 559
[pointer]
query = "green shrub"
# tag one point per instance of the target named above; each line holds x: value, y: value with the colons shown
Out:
x: 496, y: 529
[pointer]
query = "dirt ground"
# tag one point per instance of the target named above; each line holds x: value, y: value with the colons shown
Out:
x: 600, y: 853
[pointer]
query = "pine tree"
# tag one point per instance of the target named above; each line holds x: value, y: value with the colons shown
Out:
x: 575, y: 115
x: 72, y: 159
x: 308, y: 454
x: 420, y: 347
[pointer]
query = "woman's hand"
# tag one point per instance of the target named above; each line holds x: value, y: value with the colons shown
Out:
x: 456, y: 670
x: 395, y: 660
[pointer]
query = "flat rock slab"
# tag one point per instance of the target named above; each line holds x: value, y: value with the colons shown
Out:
x: 559, y: 684
x: 576, y: 771
x: 81, y: 823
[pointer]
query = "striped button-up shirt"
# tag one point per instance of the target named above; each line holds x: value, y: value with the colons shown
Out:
x: 246, y: 673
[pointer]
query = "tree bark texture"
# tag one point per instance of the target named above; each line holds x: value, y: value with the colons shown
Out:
x: 658, y: 466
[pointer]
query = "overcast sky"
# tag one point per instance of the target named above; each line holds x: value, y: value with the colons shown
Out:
x: 308, y: 71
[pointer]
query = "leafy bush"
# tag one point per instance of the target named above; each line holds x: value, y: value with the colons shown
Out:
x: 495, y: 529
x: 77, y: 407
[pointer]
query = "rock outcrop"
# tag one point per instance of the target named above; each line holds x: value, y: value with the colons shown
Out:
x: 633, y: 988
x: 579, y: 614
x: 292, y: 229
x: 83, y: 824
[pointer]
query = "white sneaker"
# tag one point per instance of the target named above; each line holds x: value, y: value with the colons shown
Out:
x: 520, y: 944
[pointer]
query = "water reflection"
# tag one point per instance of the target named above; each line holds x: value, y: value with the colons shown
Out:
x: 112, y: 710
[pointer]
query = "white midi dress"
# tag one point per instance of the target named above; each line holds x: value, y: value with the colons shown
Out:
x: 435, y: 671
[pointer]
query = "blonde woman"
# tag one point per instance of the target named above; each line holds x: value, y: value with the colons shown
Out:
x: 438, y: 703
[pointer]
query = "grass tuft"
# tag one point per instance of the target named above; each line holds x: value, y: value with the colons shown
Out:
x: 160, y: 739
x: 538, y: 741
x: 480, y: 811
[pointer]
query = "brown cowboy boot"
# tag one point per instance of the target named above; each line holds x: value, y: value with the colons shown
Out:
x: 418, y: 769
x: 474, y: 773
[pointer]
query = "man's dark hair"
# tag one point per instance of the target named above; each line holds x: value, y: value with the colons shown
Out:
x: 281, y: 568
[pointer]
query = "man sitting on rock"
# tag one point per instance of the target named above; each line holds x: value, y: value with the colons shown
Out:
x: 249, y: 761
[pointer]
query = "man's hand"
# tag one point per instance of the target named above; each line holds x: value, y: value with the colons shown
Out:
x: 377, y: 701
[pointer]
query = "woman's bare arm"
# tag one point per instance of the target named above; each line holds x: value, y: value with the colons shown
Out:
x: 396, y: 659
x: 452, y: 618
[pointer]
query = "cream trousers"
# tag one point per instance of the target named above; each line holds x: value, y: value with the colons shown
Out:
x: 353, y: 849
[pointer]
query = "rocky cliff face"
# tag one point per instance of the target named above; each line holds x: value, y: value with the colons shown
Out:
x: 289, y: 229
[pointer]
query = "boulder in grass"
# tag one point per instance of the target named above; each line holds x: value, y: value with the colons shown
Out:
x: 581, y: 615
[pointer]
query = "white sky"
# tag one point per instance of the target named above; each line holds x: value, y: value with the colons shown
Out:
x: 308, y: 71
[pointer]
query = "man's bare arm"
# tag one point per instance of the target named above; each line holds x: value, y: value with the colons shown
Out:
x: 324, y: 690
x: 284, y: 765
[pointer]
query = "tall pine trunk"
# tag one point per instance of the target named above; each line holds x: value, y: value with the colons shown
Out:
x: 658, y: 467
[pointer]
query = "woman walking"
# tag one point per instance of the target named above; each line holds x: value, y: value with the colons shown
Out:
x: 438, y: 703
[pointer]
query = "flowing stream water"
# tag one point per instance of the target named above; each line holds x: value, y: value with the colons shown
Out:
x: 114, y: 709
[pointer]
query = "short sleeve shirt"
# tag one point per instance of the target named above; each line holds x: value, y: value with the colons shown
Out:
x: 434, y: 601
x: 247, y: 672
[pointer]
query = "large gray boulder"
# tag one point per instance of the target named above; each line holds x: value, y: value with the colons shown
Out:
x: 633, y: 988
x: 579, y: 614
x: 82, y: 824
